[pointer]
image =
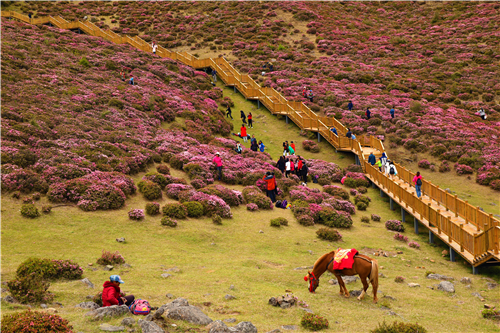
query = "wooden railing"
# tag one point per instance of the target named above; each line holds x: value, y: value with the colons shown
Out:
x: 488, y: 228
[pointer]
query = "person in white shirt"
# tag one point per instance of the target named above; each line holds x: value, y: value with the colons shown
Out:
x: 391, y: 169
x: 287, y: 167
x: 154, y: 46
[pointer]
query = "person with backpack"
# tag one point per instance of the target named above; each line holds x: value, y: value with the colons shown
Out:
x: 292, y: 166
x: 122, y: 75
x: 243, y: 117
x: 250, y: 122
x: 286, y: 151
x: 303, y: 173
x: 111, y: 294
x: 229, y: 112
x: 334, y: 130
x: 392, y: 112
x: 349, y: 133
x: 154, y: 46
x: 310, y: 95
x: 238, y: 148
x: 131, y: 79
x: 371, y: 159
x: 368, y: 114
x: 299, y: 167
x: 271, y: 185
x: 243, y: 131
x: 383, y: 162
x: 350, y: 106
x: 304, y: 92
x: 391, y: 169
x: 218, y: 164
x: 418, y: 184
x: 379, y: 165
x: 291, y: 150
x: 482, y: 113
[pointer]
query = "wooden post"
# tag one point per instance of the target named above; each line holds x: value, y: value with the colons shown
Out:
x: 456, y: 205
x: 461, y: 238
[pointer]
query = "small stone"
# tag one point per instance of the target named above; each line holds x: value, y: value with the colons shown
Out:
x: 290, y: 327
x: 491, y: 285
x: 126, y: 265
x: 149, y: 317
x: 87, y: 305
x: 384, y: 308
x: 9, y: 299
x: 275, y: 331
x: 159, y: 313
x: 392, y: 313
x: 44, y: 306
x: 439, y: 277
x: 212, y: 244
x: 466, y: 280
x: 121, y: 240
x: 261, y: 232
x: 165, y: 275
x: 90, y: 264
x: 88, y: 283
x: 310, y: 252
x: 413, y: 285
x: 229, y: 297
x: 51, y: 310
x: 231, y: 287
x: 355, y: 293
x: 169, y: 295
x: 111, y: 328
x: 478, y: 295
x: 129, y: 321
x: 400, y: 252
x: 273, y: 301
x: 446, y: 286
x: 488, y: 306
x: 285, y: 305
x: 307, y: 310
x: 381, y: 275
x: 108, y: 268
x: 230, y: 320
x: 389, y: 297
x: 173, y: 269
x: 59, y: 304
x: 444, y: 253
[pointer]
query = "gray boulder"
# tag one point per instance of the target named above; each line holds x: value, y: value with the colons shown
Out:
x: 440, y: 277
x: 166, y: 275
x: 355, y: 293
x: 246, y: 327
x: 108, y: 268
x: 219, y: 327
x: 229, y: 297
x: 446, y: 286
x: 346, y: 279
x: 129, y: 321
x: 88, y: 283
x: 466, y: 280
x: 158, y: 313
x: 413, y: 285
x: 111, y: 328
x: 108, y: 311
x: 290, y: 327
x: 188, y: 313
x: 175, y: 303
x: 9, y: 299
x: 150, y: 327
x: 87, y: 305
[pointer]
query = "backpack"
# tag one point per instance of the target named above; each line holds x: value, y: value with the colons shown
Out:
x: 278, y: 204
x: 283, y: 204
x: 140, y: 307
x: 419, y: 182
x: 391, y: 170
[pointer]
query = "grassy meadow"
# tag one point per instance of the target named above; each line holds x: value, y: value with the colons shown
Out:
x: 259, y: 265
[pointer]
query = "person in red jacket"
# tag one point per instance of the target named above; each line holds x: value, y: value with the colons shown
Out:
x: 243, y: 132
x: 271, y: 185
x: 293, y: 146
x: 250, y: 122
x: 111, y: 294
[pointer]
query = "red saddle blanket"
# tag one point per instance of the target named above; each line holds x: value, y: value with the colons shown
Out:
x: 344, y: 258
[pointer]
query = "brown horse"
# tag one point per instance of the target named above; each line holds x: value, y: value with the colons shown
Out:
x: 365, y: 267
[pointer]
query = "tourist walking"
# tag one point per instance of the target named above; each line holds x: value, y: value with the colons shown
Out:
x: 383, y: 161
x: 310, y: 95
x: 154, y: 46
x: 349, y: 133
x: 253, y: 139
x: 391, y: 169
x: 368, y: 113
x: 299, y: 166
x: 271, y: 185
x: 214, y: 75
x: 281, y: 164
x: 372, y: 159
x: 304, y: 92
x: 293, y: 146
x: 304, y: 172
x: 482, y: 114
x: 350, y: 106
x: 243, y: 117
x: 334, y: 130
x: 254, y: 146
x: 392, y: 112
x: 122, y: 75
x: 218, y: 164
x: 418, y: 184
x: 238, y: 148
x: 229, y: 112
x: 250, y: 122
x: 379, y: 165
x: 291, y: 150
x: 243, y: 132
x: 131, y: 79
x: 261, y: 147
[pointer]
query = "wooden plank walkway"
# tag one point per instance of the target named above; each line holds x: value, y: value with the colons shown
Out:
x: 468, y: 231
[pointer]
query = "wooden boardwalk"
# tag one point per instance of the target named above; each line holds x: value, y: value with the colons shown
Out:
x: 469, y: 231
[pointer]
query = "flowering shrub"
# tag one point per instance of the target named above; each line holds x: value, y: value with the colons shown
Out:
x: 462, y: 169
x: 332, y: 218
x: 328, y: 234
x: 400, y: 238
x: 34, y: 322
x: 399, y: 279
x: 212, y: 204
x: 30, y: 289
x: 343, y: 205
x: 356, y: 179
x: 311, y: 146
x: 313, y: 322
x: 395, y: 225
x: 252, y: 194
x: 173, y: 190
x: 46, y: 209
x: 495, y: 185
x: 424, y: 164
x: 252, y: 207
x: 194, y: 208
x: 375, y: 218
x: 444, y: 167
x: 156, y: 178
x: 152, y: 208
x: 29, y: 210
x: 108, y: 258
x: 175, y: 210
x: 136, y: 214
x: 414, y: 245
x: 168, y: 221
x: 336, y: 191
x: 163, y: 169
x: 362, y: 190
x: 50, y: 269
x: 365, y: 219
x: 305, y: 220
x: 231, y: 197
x: 398, y: 327
x: 149, y: 189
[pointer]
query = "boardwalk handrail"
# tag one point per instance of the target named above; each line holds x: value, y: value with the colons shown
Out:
x: 486, y: 238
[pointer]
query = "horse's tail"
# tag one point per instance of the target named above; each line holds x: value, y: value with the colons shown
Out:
x: 374, y: 273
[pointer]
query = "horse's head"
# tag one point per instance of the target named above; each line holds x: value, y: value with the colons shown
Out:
x: 313, y: 281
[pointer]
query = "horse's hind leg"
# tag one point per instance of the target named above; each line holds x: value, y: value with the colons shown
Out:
x: 365, y: 287
x: 343, y: 287
x: 341, y: 284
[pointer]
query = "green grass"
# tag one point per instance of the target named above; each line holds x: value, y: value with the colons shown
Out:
x: 259, y: 265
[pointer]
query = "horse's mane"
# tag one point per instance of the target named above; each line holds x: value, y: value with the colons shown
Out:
x: 323, y: 257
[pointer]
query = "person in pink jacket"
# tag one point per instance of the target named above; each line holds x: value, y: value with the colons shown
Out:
x: 218, y: 163
x: 418, y: 184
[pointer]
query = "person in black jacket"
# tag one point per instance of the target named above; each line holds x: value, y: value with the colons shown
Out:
x: 304, y: 172
x: 349, y: 133
x: 243, y: 117
x: 281, y: 164
x: 229, y: 112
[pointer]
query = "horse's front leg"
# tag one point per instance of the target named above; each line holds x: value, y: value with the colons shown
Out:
x: 365, y: 287
x: 343, y: 288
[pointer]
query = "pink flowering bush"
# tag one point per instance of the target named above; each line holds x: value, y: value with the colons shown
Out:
x: 308, y: 194
x: 252, y: 207
x: 252, y: 194
x: 136, y: 214
x: 462, y: 169
x: 231, y: 197
x: 311, y: 146
x: 152, y: 208
x: 414, y: 245
x: 356, y: 179
x: 50, y: 269
x: 424, y: 164
x: 336, y: 191
x: 173, y: 190
x: 400, y: 238
x: 395, y: 225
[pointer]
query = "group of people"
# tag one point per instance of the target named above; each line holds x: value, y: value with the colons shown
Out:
x: 288, y: 149
x: 123, y: 77
x: 368, y: 112
x: 308, y: 93
x: 244, y: 118
x: 290, y: 165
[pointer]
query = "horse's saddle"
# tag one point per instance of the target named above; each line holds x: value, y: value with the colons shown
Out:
x: 344, y: 258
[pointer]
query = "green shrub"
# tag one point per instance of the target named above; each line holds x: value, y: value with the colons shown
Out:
x: 305, y: 220
x: 361, y: 205
x: 216, y: 219
x: 350, y: 182
x: 156, y: 178
x: 50, y: 269
x: 399, y: 279
x: 29, y: 210
x: 313, y: 322
x: 116, y: 103
x: 279, y: 221
x: 328, y: 234
x: 34, y: 321
x: 415, y: 107
x: 194, y: 208
x: 175, y: 210
x: 365, y: 219
x: 152, y: 208
x: 337, y: 191
x: 168, y: 221
x: 396, y: 327
x: 30, y: 289
x: 98, y: 299
x: 108, y: 258
x: 149, y: 189
x: 491, y: 314
x: 331, y: 218
x: 46, y: 209
x: 252, y: 194
x: 324, y: 181
x: 84, y: 62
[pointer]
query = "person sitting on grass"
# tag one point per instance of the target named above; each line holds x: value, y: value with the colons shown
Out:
x: 111, y: 294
